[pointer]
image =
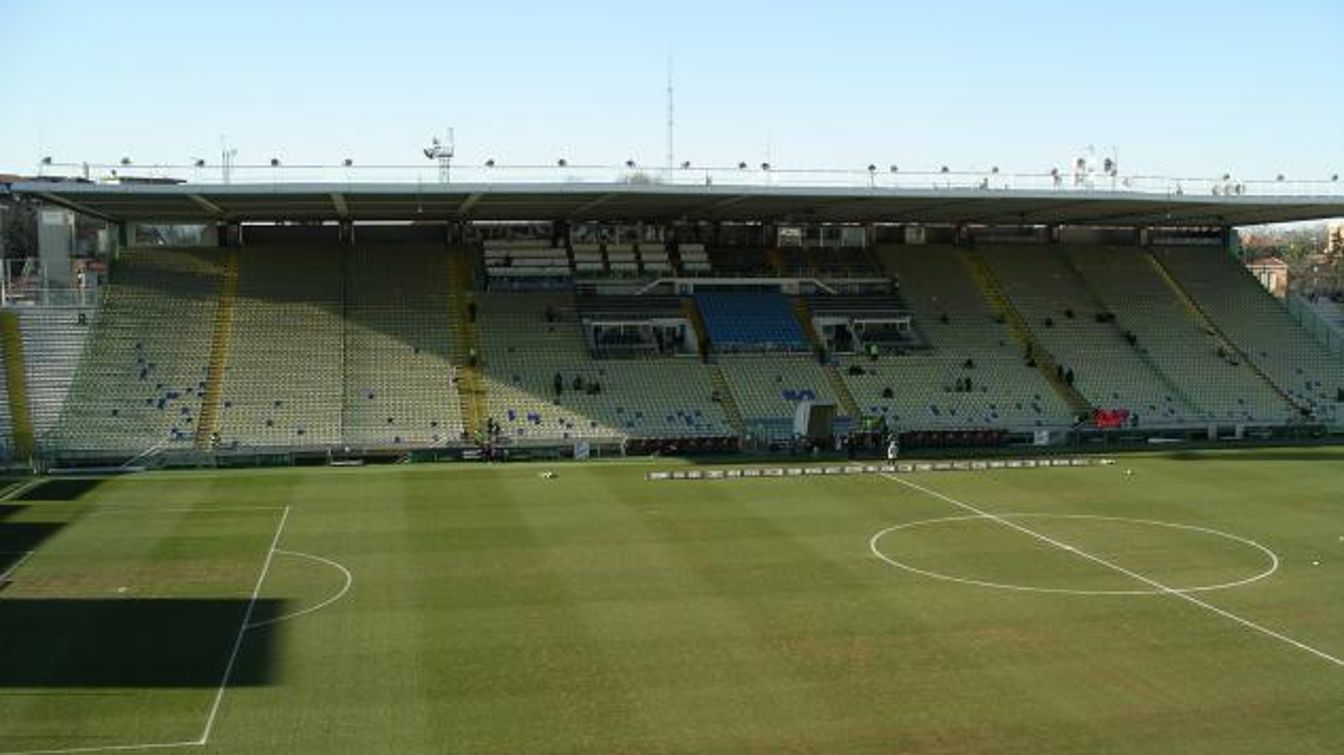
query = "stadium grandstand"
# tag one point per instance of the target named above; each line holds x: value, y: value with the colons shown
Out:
x: 214, y: 321
x: 526, y: 378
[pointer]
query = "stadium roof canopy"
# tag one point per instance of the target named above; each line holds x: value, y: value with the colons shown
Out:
x: 186, y: 202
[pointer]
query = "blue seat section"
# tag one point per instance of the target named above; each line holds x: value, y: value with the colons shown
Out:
x: 750, y: 319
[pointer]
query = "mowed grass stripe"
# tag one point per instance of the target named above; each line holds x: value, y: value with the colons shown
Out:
x: 118, y: 629
x: 496, y: 612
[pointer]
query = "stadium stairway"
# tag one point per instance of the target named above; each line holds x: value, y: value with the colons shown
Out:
x: 1207, y: 323
x: 1095, y: 296
x: 804, y: 315
x: 16, y: 380
x: 1045, y: 362
x: 219, y: 354
x: 731, y: 411
x: 470, y: 384
x: 693, y: 316
x: 1322, y: 317
x: 833, y: 376
x: 841, y: 390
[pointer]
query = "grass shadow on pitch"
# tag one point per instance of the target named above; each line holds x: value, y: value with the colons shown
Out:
x: 133, y: 642
x: 1266, y: 454
x: 61, y: 489
x: 17, y: 539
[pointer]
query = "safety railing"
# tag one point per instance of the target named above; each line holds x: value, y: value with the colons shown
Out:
x: 757, y: 175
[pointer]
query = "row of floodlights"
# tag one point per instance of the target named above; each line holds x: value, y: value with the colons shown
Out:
x: 686, y: 165
x: 872, y: 168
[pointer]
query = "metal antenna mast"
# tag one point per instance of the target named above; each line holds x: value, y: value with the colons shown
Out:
x: 670, y: 114
x: 226, y: 156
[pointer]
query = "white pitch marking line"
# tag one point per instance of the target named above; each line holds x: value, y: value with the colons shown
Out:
x: 222, y: 509
x: 233, y: 657
x: 105, y: 748
x: 205, y: 510
x: 15, y: 566
x: 21, y: 488
x: 349, y: 580
x: 242, y: 630
x: 1116, y: 567
x: 873, y: 544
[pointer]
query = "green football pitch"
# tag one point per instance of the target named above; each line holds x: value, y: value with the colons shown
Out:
x: 1184, y: 603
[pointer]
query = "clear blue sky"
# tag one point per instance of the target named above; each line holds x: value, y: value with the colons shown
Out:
x: 1180, y: 88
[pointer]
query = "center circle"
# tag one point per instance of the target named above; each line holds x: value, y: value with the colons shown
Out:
x: 1082, y: 553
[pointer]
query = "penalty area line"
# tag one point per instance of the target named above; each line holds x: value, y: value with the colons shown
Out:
x: 1161, y: 588
x: 228, y: 668
x: 349, y: 579
x: 242, y: 630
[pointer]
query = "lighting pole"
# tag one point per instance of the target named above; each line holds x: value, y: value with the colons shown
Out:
x: 443, y: 154
x: 226, y: 156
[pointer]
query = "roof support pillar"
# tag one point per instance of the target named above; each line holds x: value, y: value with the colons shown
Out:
x: 591, y: 205
x: 962, y: 235
x: 467, y: 204
x: 338, y: 202
x: 231, y: 234
x: 205, y: 204
x: 72, y: 205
